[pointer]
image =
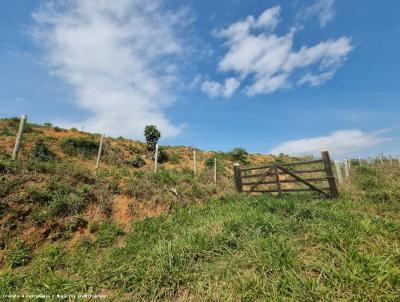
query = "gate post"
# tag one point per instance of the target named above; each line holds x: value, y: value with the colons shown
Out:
x: 329, y: 173
x: 237, y: 172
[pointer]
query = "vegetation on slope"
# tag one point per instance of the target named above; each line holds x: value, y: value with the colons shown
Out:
x: 237, y: 248
x: 180, y: 238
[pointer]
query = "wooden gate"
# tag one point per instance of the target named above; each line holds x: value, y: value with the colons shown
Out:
x: 285, y: 177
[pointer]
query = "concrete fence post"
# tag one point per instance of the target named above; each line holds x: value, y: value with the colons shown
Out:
x: 99, y: 153
x: 346, y: 169
x: 194, y: 163
x: 155, y: 159
x: 215, y: 171
x: 18, y: 141
x: 338, y: 171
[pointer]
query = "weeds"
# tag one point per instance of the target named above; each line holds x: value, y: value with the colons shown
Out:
x: 138, y: 162
x: 19, y: 255
x: 79, y: 146
x: 107, y: 234
x: 41, y: 151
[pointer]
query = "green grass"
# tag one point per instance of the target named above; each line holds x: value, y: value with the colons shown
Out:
x: 241, y: 248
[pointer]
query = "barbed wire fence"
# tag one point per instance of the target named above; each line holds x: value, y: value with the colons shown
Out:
x: 342, y: 168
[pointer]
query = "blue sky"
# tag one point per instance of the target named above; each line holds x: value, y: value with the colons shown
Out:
x: 269, y: 76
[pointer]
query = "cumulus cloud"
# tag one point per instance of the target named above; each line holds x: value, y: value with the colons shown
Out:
x: 338, y: 143
x: 215, y: 89
x: 323, y: 9
x: 118, y: 57
x: 269, y: 62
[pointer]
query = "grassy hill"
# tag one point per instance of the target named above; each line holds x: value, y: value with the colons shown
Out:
x: 131, y: 235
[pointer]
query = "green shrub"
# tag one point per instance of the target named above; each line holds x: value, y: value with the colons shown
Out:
x: 66, y: 204
x: 42, y: 152
x: 138, y: 162
x: 39, y: 216
x: 48, y: 125
x: 239, y: 154
x: 79, y: 146
x: 174, y: 159
x: 72, y: 226
x: 107, y: 234
x: 43, y: 166
x: 7, y: 166
x: 209, y: 162
x: 19, y: 255
x: 38, y: 196
x: 162, y: 155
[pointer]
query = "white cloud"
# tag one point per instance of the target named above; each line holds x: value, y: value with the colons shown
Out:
x: 323, y: 9
x: 118, y: 58
x: 339, y: 143
x: 269, y: 62
x: 215, y: 89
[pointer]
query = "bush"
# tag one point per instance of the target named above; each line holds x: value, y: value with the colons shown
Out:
x: 138, y: 162
x: 42, y: 152
x: 38, y: 196
x: 18, y: 255
x: 239, y: 154
x: 7, y: 166
x: 209, y: 162
x: 79, y: 146
x: 162, y: 155
x: 152, y: 136
x: 174, y: 159
x: 65, y: 204
x: 48, y: 125
x: 39, y: 216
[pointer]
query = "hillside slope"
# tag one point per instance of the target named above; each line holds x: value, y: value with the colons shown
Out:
x: 241, y: 248
x: 128, y: 234
x: 52, y: 192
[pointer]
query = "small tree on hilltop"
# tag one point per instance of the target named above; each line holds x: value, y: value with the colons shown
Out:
x: 239, y: 154
x: 152, y: 136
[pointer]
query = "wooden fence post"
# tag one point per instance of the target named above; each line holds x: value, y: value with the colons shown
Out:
x: 380, y: 157
x: 194, y: 163
x: 338, y: 171
x: 278, y: 181
x: 391, y: 160
x: 237, y: 171
x: 359, y: 161
x: 215, y: 171
x: 18, y: 141
x: 156, y: 159
x: 331, y: 178
x: 99, y: 153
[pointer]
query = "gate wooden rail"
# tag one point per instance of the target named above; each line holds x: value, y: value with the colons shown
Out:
x: 271, y: 175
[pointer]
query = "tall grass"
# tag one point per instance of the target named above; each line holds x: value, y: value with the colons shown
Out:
x: 242, y: 248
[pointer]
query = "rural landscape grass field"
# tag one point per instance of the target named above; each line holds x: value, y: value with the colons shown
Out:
x: 128, y: 234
